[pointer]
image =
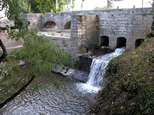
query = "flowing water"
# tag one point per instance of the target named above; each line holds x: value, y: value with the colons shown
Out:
x: 97, y: 71
x: 50, y: 101
x: 72, y: 99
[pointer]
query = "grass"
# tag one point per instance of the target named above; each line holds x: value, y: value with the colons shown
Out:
x: 53, y: 33
x: 130, y: 84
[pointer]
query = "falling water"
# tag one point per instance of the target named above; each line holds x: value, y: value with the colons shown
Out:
x: 97, y: 71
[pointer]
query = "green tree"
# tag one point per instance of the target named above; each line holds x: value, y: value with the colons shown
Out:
x: 32, y: 6
x: 69, y: 3
x: 39, y: 52
x: 61, y: 4
x: 103, y: 8
x: 23, y: 5
x: 110, y: 4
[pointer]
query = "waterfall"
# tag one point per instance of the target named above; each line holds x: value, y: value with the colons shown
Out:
x: 97, y: 71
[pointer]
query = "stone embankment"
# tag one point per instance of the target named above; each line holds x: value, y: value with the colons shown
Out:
x: 72, y: 74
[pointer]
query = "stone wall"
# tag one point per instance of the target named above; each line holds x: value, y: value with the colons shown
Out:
x: 10, y: 44
x: 64, y: 44
x: 60, y: 20
x: 35, y: 20
x: 88, y: 32
x: 131, y: 24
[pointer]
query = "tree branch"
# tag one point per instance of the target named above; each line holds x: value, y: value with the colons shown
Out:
x: 17, y: 93
x: 4, y: 51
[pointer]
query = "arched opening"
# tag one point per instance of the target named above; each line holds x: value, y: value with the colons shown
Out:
x: 50, y: 24
x: 67, y: 25
x: 121, y: 42
x: 138, y: 42
x: 104, y: 41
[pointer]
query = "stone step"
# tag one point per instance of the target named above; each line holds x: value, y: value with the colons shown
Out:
x: 10, y: 49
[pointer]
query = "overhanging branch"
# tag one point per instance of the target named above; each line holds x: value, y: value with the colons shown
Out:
x: 4, y: 51
x: 17, y: 93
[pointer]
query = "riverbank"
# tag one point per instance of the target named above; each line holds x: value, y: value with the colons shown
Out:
x: 130, y: 84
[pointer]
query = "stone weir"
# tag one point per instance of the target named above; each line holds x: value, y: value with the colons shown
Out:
x: 83, y: 65
x: 84, y: 61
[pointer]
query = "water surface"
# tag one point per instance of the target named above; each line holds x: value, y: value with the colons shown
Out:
x: 50, y: 101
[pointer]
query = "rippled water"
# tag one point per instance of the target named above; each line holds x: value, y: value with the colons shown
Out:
x: 51, y: 101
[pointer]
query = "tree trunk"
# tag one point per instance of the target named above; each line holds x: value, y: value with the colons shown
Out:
x: 71, y: 9
x: 67, y: 6
x: 29, y: 6
x: 2, y: 58
x: 56, y: 4
x: 107, y: 4
x: 82, y: 4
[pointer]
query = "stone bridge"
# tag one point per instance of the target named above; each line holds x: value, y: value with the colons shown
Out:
x: 113, y: 28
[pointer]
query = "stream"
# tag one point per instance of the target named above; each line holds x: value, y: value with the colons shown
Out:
x: 73, y: 98
x: 67, y: 100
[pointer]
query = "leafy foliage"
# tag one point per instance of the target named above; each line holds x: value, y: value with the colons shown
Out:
x: 23, y: 6
x: 35, y: 6
x: 62, y: 4
x: 39, y: 53
x: 70, y: 61
x: 46, y: 4
x: 103, y: 8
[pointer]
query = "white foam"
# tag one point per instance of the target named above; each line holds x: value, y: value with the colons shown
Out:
x: 97, y: 71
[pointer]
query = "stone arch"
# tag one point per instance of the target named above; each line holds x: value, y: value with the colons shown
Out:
x: 104, y: 41
x: 68, y: 25
x: 121, y: 42
x: 50, y: 24
x: 138, y: 42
